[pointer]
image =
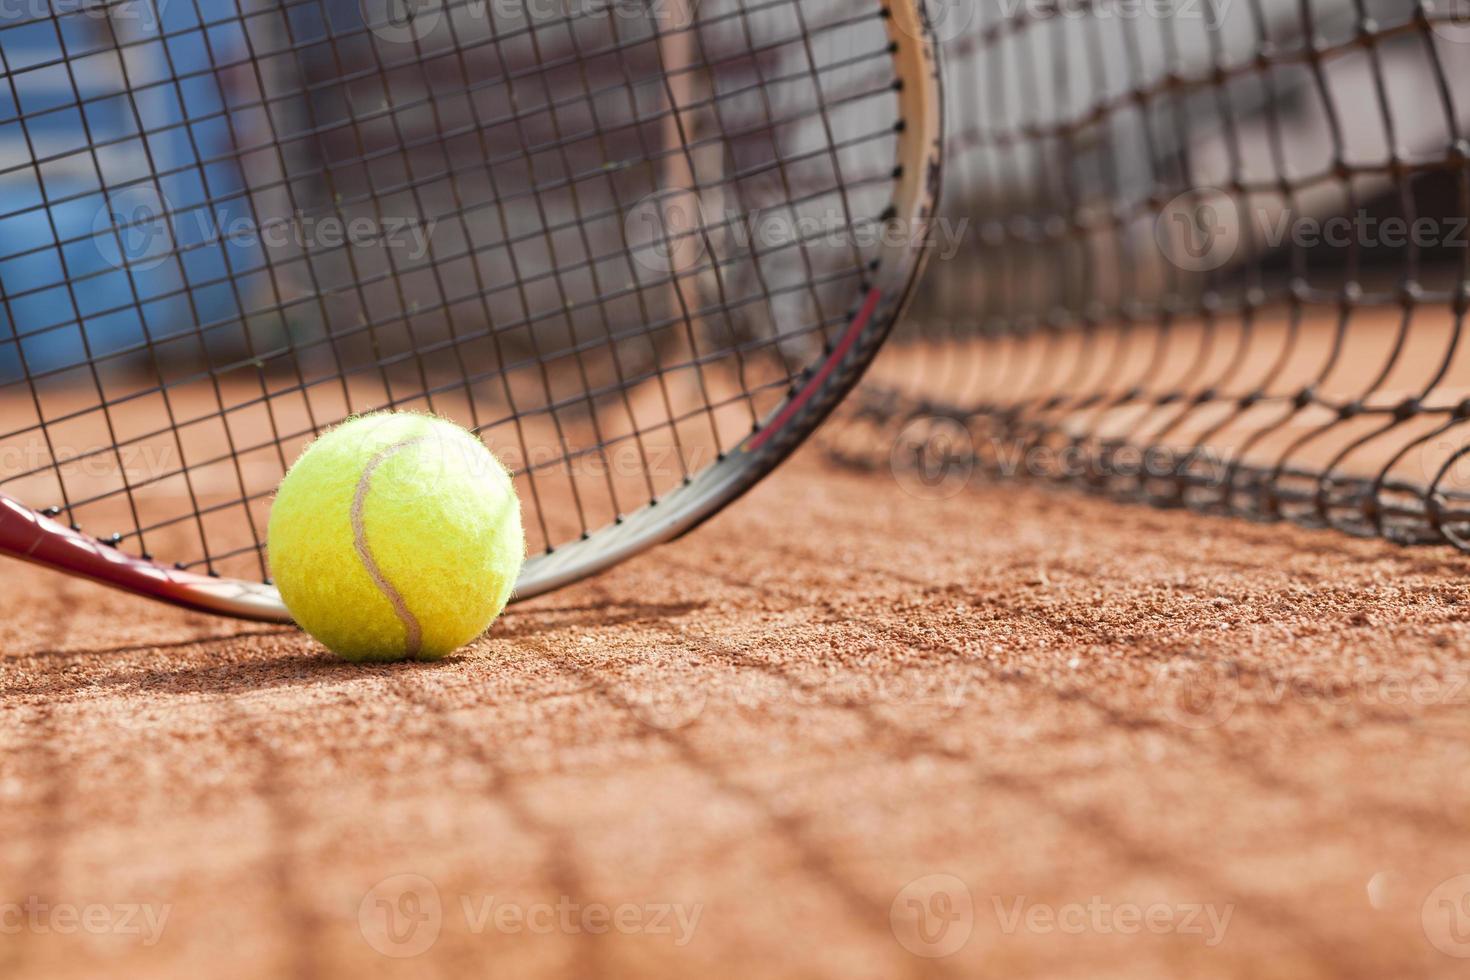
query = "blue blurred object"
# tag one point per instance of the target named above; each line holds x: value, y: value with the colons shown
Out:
x: 123, y: 215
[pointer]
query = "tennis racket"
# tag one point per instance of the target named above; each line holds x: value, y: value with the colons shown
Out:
x: 641, y: 248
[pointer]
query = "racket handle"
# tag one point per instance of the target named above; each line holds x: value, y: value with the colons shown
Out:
x: 36, y: 538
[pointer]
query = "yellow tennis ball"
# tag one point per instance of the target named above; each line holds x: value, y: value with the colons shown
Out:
x: 396, y: 536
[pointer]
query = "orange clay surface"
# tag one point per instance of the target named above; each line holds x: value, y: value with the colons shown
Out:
x: 836, y: 732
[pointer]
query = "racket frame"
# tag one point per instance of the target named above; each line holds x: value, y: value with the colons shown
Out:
x: 39, y: 538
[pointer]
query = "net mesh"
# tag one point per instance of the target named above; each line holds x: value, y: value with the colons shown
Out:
x: 608, y: 237
x: 1210, y: 254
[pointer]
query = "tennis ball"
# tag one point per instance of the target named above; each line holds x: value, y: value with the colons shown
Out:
x: 396, y: 536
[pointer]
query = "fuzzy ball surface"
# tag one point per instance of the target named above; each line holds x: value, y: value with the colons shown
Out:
x: 396, y: 536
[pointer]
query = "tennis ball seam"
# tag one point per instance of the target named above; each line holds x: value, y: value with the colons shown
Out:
x: 415, y: 633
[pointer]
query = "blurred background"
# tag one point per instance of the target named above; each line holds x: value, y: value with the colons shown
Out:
x: 1216, y: 256
x: 1227, y: 237
x: 94, y: 95
x: 607, y: 237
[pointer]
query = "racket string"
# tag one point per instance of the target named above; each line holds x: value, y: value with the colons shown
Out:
x: 535, y: 308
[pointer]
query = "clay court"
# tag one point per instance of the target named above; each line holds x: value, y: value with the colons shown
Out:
x: 888, y: 714
x: 775, y: 728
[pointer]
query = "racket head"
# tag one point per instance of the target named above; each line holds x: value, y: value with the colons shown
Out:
x: 642, y: 252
